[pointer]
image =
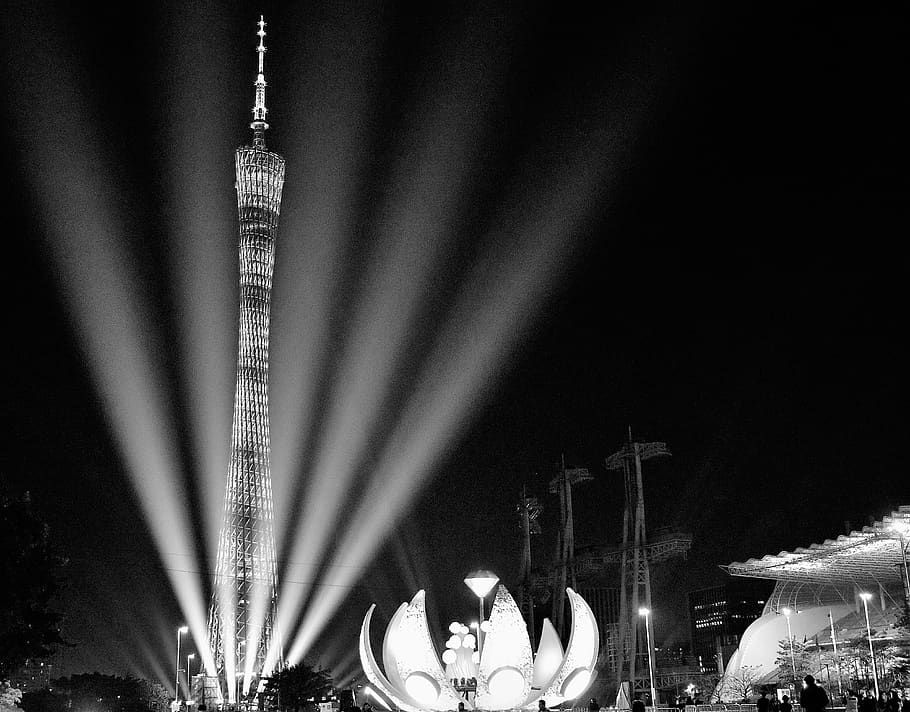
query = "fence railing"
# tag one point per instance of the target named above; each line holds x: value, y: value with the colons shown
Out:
x: 715, y: 707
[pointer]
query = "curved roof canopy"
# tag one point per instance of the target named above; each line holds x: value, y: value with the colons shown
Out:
x: 873, y: 554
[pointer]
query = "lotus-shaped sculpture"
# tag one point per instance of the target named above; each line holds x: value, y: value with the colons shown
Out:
x: 503, y: 677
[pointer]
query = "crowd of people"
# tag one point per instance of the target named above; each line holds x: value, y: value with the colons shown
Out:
x: 687, y: 700
x: 814, y: 698
x: 894, y: 700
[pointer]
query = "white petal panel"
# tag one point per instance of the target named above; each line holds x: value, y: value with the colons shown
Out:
x: 506, y: 648
x: 584, y: 643
x: 548, y: 660
x: 373, y: 673
x: 390, y: 646
x: 582, y: 649
x: 412, y: 651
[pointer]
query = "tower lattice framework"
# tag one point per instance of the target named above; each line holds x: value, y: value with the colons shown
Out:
x: 635, y: 573
x: 241, y: 620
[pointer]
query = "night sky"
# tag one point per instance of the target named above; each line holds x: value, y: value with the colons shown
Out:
x: 736, y: 287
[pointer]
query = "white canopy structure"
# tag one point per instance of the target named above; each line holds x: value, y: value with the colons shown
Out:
x: 820, y: 584
x: 870, y: 556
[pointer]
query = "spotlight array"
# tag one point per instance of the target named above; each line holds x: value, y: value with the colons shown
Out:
x: 375, y: 400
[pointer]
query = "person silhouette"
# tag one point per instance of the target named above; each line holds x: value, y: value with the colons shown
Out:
x: 813, y: 698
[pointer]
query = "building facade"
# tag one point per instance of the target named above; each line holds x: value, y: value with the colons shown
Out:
x: 720, y: 615
x: 35, y: 674
x: 604, y: 602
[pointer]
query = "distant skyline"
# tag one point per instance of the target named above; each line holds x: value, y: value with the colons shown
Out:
x: 730, y: 287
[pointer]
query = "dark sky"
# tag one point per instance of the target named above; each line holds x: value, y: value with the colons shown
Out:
x: 738, y: 293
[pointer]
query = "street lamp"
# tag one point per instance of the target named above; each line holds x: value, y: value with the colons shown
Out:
x: 787, y: 613
x: 866, y: 596
x: 180, y: 631
x: 481, y: 582
x: 647, y: 614
x: 840, y: 689
x: 189, y: 684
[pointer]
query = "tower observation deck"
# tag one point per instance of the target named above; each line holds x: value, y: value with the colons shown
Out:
x: 241, y: 619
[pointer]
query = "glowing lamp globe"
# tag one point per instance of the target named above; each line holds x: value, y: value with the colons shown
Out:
x: 449, y: 657
x: 576, y: 683
x: 481, y: 582
x: 422, y: 687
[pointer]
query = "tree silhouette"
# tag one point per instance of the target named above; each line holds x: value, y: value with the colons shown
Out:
x: 739, y: 685
x: 94, y: 691
x: 802, y: 660
x: 29, y: 625
x: 291, y: 688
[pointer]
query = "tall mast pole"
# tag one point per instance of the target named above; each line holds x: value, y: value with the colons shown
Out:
x: 565, y: 570
x: 528, y: 510
x: 635, y: 576
x: 259, y: 124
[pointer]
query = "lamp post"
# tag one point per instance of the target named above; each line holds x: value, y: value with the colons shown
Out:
x: 189, y: 685
x: 180, y: 631
x: 840, y: 688
x: 239, y: 677
x: 647, y: 614
x: 787, y: 613
x: 481, y: 582
x: 866, y: 596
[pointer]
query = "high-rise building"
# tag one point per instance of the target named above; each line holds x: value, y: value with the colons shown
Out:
x: 720, y: 615
x: 604, y: 603
x: 241, y: 620
x: 34, y: 675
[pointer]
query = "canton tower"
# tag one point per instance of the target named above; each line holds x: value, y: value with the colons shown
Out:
x: 241, y: 619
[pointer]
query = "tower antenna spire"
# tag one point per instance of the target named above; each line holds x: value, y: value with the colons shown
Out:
x: 259, y: 124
